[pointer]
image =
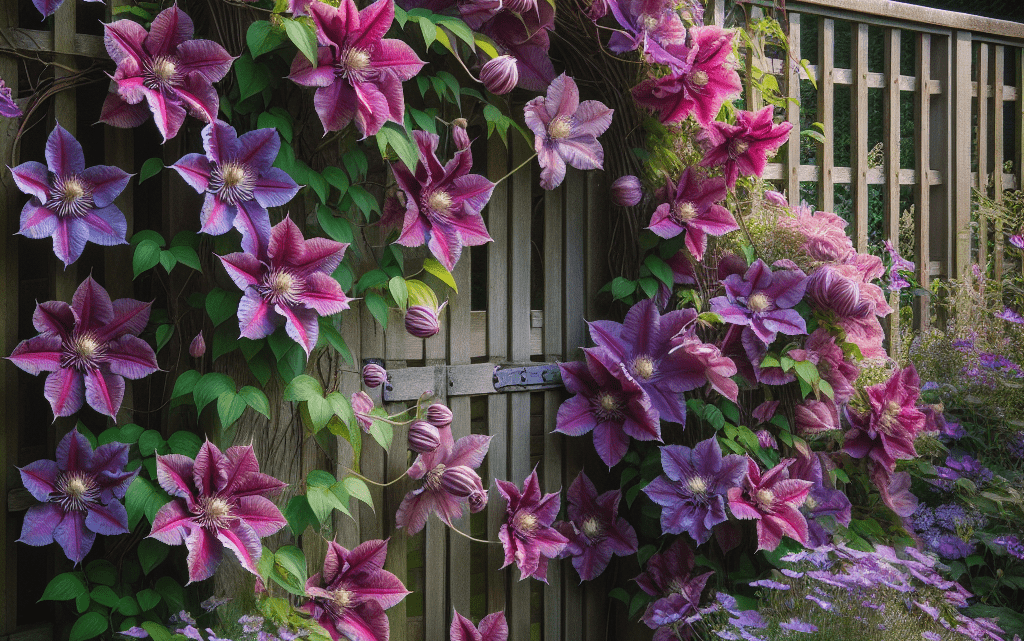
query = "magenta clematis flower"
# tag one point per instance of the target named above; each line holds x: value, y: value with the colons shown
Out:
x: 743, y: 148
x: 693, y: 208
x: 518, y: 29
x: 823, y: 500
x: 442, y: 204
x: 669, y: 577
x: 220, y: 502
x: 650, y: 25
x: 885, y: 431
x: 764, y: 301
x: 594, y: 529
x: 288, y: 279
x: 493, y: 627
x: 692, y: 490
x: 821, y: 349
x: 566, y: 130
x: 70, y: 202
x: 167, y: 67
x: 48, y: 7
x: 527, y: 535
x: 8, y: 108
x: 608, y: 402
x: 432, y: 497
x: 349, y: 596
x: 238, y: 180
x: 81, y: 495
x: 90, y: 347
x: 701, y: 356
x: 774, y: 500
x: 358, y: 73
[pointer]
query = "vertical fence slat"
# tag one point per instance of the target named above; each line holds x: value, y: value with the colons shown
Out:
x: 961, y: 178
x: 922, y: 165
x: 435, y: 548
x: 397, y: 463
x: 1018, y: 130
x: 826, y: 111
x: 983, y: 166
x: 347, y: 528
x: 996, y: 138
x: 793, y: 110
x: 891, y: 136
x: 940, y: 198
x: 753, y: 97
x: 371, y: 459
x: 859, y: 135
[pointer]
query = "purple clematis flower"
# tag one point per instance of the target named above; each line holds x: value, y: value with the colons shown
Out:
x: 692, y: 490
x: 432, y: 497
x: 349, y: 597
x: 763, y: 300
x: 566, y: 130
x: 90, y: 347
x: 493, y: 627
x: 693, y: 207
x: 288, y: 279
x: 594, y: 529
x: 774, y: 500
x: 70, y: 202
x: 519, y: 29
x: 81, y: 495
x: 526, y: 534
x: 898, y: 264
x: 743, y: 148
x: 650, y: 25
x: 669, y: 577
x: 358, y: 73
x: 167, y: 67
x: 48, y: 7
x: 238, y: 180
x: 442, y: 204
x: 220, y: 502
x: 8, y: 108
x: 885, y: 431
x: 823, y: 500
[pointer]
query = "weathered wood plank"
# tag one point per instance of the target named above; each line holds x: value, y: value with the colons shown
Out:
x: 372, y: 458
x: 998, y: 151
x: 43, y: 42
x: 346, y: 528
x: 891, y: 136
x: 792, y: 85
x: 883, y: 9
x: 859, y: 135
x: 941, y: 153
x: 826, y: 113
x: 961, y: 44
x: 754, y: 58
x: 1018, y: 141
x: 982, y: 148
x: 396, y: 463
x: 922, y: 191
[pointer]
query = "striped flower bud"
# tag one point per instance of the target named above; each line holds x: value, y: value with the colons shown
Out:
x: 374, y: 375
x: 500, y: 75
x: 477, y: 500
x: 198, y: 346
x: 423, y: 437
x: 626, y: 191
x: 422, y: 322
x: 461, y: 481
x: 830, y: 290
x: 459, y: 134
x: 766, y: 440
x: 439, y: 415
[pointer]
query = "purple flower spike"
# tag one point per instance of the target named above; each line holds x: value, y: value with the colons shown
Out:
x: 220, y: 502
x: 693, y: 208
x: 773, y: 500
x: 763, y: 300
x: 167, y: 67
x: 526, y: 534
x: 90, y: 347
x: 493, y: 627
x: 432, y: 497
x: 80, y: 493
x: 69, y: 202
x: 358, y: 73
x: 743, y: 148
x: 8, y: 108
x: 238, y: 180
x: 287, y: 280
x: 595, y: 530
x: 566, y: 130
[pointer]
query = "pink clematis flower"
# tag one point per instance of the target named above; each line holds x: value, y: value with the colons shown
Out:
x: 527, y: 535
x: 167, y: 67
x: 493, y: 627
x: 885, y: 431
x: 693, y: 208
x: 220, y: 502
x: 358, y: 73
x: 8, y: 108
x: 774, y: 500
x: 442, y: 203
x: 349, y: 596
x: 433, y: 496
x: 743, y: 148
x: 566, y: 130
x: 594, y: 529
x: 90, y: 347
x: 649, y: 25
x: 287, y: 280
x: 70, y: 202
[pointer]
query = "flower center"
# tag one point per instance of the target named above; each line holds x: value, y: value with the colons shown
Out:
x: 70, y: 198
x: 82, y: 353
x: 525, y: 522
x: 213, y: 513
x: 341, y: 598
x: 441, y: 202
x: 759, y: 302
x: 764, y: 497
x: 162, y: 71
x: 280, y: 286
x: 699, y: 78
x: 591, y: 528
x: 609, y: 403
x: 810, y: 503
x: 233, y: 182
x: 738, y: 147
x: 644, y: 367
x: 560, y: 128
x: 889, y: 414
x: 649, y: 22
x: 697, y: 486
x: 432, y: 481
x: 75, y: 490
x: 684, y: 213
x: 353, y: 61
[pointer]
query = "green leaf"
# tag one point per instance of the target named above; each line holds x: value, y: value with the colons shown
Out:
x: 303, y: 388
x: 63, y: 587
x: 262, y: 37
x: 375, y: 303
x: 147, y: 255
x: 459, y: 28
x: 210, y: 387
x: 421, y: 294
x: 221, y: 305
x: 185, y: 443
x: 290, y: 569
x: 486, y: 45
x: 252, y: 78
x: 229, y: 408
x: 622, y: 288
x: 171, y: 592
x: 186, y: 256
x: 399, y: 291
x: 364, y: 200
x: 150, y: 168
x: 148, y: 599
x: 807, y: 371
x: 380, y: 431
x: 336, y: 227
x: 168, y: 261
x: 157, y: 632
x: 437, y: 269
x: 151, y: 554
x: 357, y: 487
x: 302, y: 36
x: 299, y: 515
x: 163, y: 335
x: 89, y: 625
x: 128, y: 606
x: 330, y: 334
x: 278, y: 119
x: 148, y: 234
x: 660, y: 269
x: 101, y: 571
x: 255, y: 399
x: 149, y: 442
x: 401, y: 142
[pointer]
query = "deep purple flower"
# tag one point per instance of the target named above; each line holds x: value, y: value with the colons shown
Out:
x: 493, y: 627
x: 692, y: 490
x: 8, y: 108
x: 423, y: 437
x: 566, y: 130
x: 1017, y: 240
x: 374, y: 375
x: 774, y: 500
x: 238, y: 180
x: 693, y: 207
x: 91, y: 346
x: 358, y: 73
x: 823, y: 500
x: 362, y: 405
x: 197, y: 348
x: 743, y: 148
x: 442, y: 203
x: 500, y: 75
x: 220, y: 502
x: 168, y: 67
x: 422, y: 322
x: 595, y: 530
x: 522, y: 35
x: 898, y: 264
x: 526, y: 534
x: 349, y: 596
x: 706, y: 357
x: 70, y: 202
x: 431, y: 497
x: 288, y: 280
x: 668, y: 575
x: 626, y: 191
x: 886, y: 431
x: 763, y: 300
x: 80, y: 493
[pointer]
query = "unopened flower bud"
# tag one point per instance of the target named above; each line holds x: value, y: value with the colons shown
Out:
x: 461, y: 481
x: 500, y: 75
x: 439, y: 415
x: 423, y: 437
x: 776, y: 198
x: 626, y: 191
x: 198, y: 346
x: 422, y: 322
x: 830, y: 290
x: 477, y: 501
x: 520, y: 6
x: 459, y: 134
x: 766, y: 440
x: 814, y: 417
x: 598, y: 9
x: 374, y: 375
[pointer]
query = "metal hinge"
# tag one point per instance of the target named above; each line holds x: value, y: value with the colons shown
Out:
x: 408, y: 384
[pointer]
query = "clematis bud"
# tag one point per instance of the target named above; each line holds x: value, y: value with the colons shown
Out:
x: 815, y: 417
x: 198, y: 346
x: 598, y: 9
x: 459, y: 134
x: 765, y: 411
x: 520, y: 6
x: 439, y: 415
x: 421, y: 321
x: 776, y: 198
x: 461, y: 481
x: 374, y: 375
x: 832, y: 291
x: 626, y: 191
x: 477, y: 501
x: 500, y: 75
x: 766, y: 440
x: 731, y: 264
x: 423, y: 437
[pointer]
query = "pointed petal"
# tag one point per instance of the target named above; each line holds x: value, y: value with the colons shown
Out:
x: 413, y: 511
x: 106, y: 183
x: 384, y: 588
x: 374, y: 22
x: 304, y: 73
x: 243, y: 268
x: 563, y: 97
x: 73, y: 536
x: 205, y: 58
x: 244, y: 542
x: 274, y: 188
x: 167, y: 115
x: 205, y: 553
x: 92, y: 305
x: 335, y: 104
x: 32, y: 178
x: 552, y: 165
x: 469, y: 451
x: 53, y: 317
x: 258, y: 149
x: 217, y: 217
x: 494, y: 627
x: 123, y: 40
x: 104, y: 391
x: 195, y: 170
x: 39, y: 354
x: 117, y: 112
x: 253, y: 221
x: 64, y: 155
x: 397, y: 58
x: 254, y: 317
x: 109, y: 519
x: 130, y: 318
x: 462, y: 629
x: 324, y: 295
x: 611, y: 443
x: 40, y: 522
x: 106, y: 226
x: 261, y: 514
x: 210, y: 471
x: 172, y: 523
x: 131, y: 357
x: 69, y: 238
x: 174, y: 473
x: 592, y: 118
x: 65, y: 390
x: 301, y: 325
x: 170, y: 28
x: 39, y: 477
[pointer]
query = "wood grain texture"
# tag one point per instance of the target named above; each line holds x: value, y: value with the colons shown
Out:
x: 981, y: 147
x: 922, y: 16
x: 859, y: 136
x: 922, y: 190
x: 396, y: 463
x: 792, y: 85
x: 826, y: 112
x: 962, y: 152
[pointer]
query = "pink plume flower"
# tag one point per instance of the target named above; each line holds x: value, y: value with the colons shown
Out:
x: 526, y: 534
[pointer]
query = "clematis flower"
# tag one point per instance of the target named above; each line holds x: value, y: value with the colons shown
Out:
x: 358, y: 73
x: 813, y: 417
x: 90, y: 347
x: 500, y: 75
x: 432, y: 497
x: 238, y: 180
x: 442, y: 203
x: 649, y: 25
x: 669, y: 577
x: 743, y: 148
x: 349, y: 596
x: 167, y: 67
x: 594, y: 529
x: 774, y: 501
x: 522, y: 35
x: 8, y: 108
x: 374, y: 375
x: 287, y: 280
x: 885, y: 431
x: 81, y: 495
x: 898, y: 264
x: 692, y: 490
x: 824, y: 500
x: 197, y: 348
x: 362, y: 405
x: 220, y: 502
x: 608, y: 402
x: 526, y: 534
x: 493, y: 627
x: 693, y: 208
x: 566, y: 130
x: 70, y: 202
x: 763, y: 300
x: 821, y: 349
x: 717, y: 369
x: 894, y: 490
